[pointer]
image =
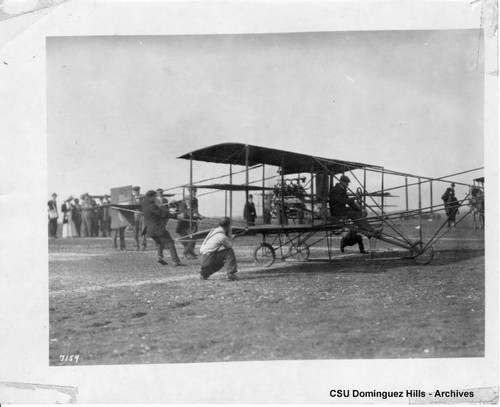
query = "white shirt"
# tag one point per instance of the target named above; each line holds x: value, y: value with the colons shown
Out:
x: 53, y: 213
x: 216, y: 240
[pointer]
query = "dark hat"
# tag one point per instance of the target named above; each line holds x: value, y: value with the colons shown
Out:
x: 224, y: 222
x: 159, y: 190
x: 452, y: 184
x: 136, y: 188
x: 150, y: 194
x: 345, y: 178
x: 54, y: 194
x: 250, y: 196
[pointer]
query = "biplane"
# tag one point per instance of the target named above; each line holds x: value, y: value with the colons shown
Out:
x: 299, y: 200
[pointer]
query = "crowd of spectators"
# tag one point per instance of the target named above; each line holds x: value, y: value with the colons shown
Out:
x: 87, y: 216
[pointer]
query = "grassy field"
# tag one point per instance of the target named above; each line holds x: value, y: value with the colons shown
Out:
x: 120, y: 307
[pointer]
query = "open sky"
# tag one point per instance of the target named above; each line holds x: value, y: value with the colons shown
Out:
x: 121, y: 109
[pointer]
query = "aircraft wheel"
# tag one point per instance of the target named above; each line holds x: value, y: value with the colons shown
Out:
x: 420, y: 255
x: 299, y: 252
x: 264, y: 255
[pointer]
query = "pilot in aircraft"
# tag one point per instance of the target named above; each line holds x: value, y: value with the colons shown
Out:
x: 342, y: 205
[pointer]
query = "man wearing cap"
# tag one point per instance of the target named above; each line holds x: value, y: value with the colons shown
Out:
x: 138, y: 220
x: 249, y: 212
x: 53, y: 215
x: 155, y: 228
x: 217, y: 252
x: 342, y: 205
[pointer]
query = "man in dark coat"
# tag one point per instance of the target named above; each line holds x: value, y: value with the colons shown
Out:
x: 154, y: 217
x: 76, y: 214
x: 450, y: 204
x: 249, y: 212
x: 452, y: 209
x: 349, y: 238
x: 107, y: 214
x: 342, y: 205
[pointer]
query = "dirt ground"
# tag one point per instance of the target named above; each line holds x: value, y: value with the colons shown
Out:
x: 121, y: 307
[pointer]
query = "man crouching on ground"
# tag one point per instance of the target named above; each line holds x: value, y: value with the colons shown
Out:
x: 217, y: 252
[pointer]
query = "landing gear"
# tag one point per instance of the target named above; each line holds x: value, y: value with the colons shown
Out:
x: 264, y: 255
x: 421, y: 254
x: 298, y: 252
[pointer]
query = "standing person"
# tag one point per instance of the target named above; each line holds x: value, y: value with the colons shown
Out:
x: 342, y: 205
x: 53, y: 215
x: 94, y: 232
x: 184, y: 228
x: 249, y: 212
x: 119, y: 233
x: 107, y: 214
x: 68, y: 227
x: 194, y: 203
x: 86, y: 215
x: 139, y: 237
x: 217, y: 252
x: 160, y: 199
x: 453, y: 206
x: 267, y: 209
x: 155, y: 228
x: 349, y: 238
x: 162, y: 202
x: 101, y: 214
x: 194, y: 212
x: 446, y: 198
x: 76, y: 215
